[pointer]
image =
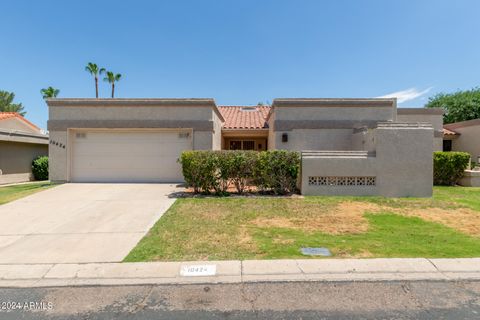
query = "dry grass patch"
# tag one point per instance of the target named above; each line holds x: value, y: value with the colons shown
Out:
x: 348, y: 218
x: 345, y: 218
x: 462, y: 219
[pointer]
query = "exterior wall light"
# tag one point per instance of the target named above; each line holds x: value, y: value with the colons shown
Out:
x: 284, y: 137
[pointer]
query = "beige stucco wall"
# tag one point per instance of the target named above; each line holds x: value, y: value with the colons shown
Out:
x: 130, y: 113
x: 314, y: 139
x: 468, y: 141
x: 217, y: 132
x: 16, y: 159
x: 364, y: 140
x: 404, y: 160
x: 342, y: 165
x: 293, y: 112
x: 435, y: 119
x: 402, y: 164
x: 57, y: 156
x: 272, y: 145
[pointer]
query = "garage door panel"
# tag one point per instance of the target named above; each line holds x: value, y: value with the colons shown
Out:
x: 128, y: 156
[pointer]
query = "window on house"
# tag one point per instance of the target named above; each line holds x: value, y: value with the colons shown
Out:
x: 248, y: 145
x: 447, y: 145
x: 235, y: 145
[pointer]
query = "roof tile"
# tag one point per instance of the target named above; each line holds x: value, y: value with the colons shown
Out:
x: 237, y: 117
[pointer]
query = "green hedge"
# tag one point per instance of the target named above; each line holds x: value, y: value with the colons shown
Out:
x: 40, y: 168
x: 214, y: 171
x: 449, y: 167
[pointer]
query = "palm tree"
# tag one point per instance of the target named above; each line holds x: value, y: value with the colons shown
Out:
x: 49, y: 92
x: 7, y: 105
x: 93, y: 69
x: 112, y: 78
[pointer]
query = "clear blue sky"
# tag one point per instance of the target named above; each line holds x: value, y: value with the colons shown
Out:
x: 240, y: 52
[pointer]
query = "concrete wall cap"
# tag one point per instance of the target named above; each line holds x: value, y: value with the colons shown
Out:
x: 335, y: 102
x: 431, y: 111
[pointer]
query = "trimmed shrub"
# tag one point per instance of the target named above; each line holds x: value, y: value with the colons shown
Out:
x: 199, y: 170
x: 449, y: 167
x: 40, y: 168
x: 243, y: 164
x: 278, y: 171
x: 207, y: 171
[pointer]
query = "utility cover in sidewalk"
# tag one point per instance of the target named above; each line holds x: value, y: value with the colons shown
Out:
x: 316, y: 252
x: 198, y: 270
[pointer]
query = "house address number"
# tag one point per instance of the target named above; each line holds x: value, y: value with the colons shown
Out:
x: 198, y: 270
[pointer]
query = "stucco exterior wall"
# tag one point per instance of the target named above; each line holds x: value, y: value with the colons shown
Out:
x: 314, y: 139
x: 342, y: 164
x: 57, y: 156
x: 272, y: 145
x: 401, y: 166
x: 16, y: 160
x: 217, y: 132
x: 363, y: 140
x: 432, y: 116
x: 17, y: 157
x: 384, y: 113
x: 404, y: 160
x: 468, y: 141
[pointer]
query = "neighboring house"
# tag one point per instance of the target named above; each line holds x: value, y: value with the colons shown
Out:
x: 463, y: 136
x: 20, y: 142
x: 355, y: 146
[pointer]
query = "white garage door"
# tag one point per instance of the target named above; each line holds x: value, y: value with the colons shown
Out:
x: 128, y: 156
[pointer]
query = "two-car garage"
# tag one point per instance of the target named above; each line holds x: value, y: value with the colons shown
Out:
x: 128, y: 140
x: 127, y: 155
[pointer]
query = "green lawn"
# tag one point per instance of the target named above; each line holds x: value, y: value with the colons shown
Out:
x: 15, y: 192
x: 447, y: 225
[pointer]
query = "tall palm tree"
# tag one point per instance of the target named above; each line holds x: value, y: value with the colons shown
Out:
x: 49, y: 92
x: 93, y: 69
x: 112, y: 78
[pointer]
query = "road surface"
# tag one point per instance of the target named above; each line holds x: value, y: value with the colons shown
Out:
x: 298, y: 300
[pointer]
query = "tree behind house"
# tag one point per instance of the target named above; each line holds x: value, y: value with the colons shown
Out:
x: 7, y: 105
x: 458, y: 106
x: 112, y: 78
x: 94, y: 70
x: 49, y: 92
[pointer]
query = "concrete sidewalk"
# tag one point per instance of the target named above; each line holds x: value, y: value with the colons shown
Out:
x: 45, y: 275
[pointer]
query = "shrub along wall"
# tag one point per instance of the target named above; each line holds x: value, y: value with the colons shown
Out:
x: 449, y: 167
x: 40, y: 168
x: 214, y: 171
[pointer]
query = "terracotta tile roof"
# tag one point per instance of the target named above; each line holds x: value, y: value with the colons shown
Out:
x: 245, y: 117
x: 447, y: 132
x: 9, y: 115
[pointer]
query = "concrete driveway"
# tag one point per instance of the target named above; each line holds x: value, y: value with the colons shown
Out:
x: 80, y: 222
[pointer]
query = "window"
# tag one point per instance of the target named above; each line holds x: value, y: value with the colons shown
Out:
x: 248, y: 145
x: 235, y: 145
x: 447, y: 145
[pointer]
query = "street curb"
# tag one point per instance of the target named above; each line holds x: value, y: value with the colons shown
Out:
x: 248, y: 271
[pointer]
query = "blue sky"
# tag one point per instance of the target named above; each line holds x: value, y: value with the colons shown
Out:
x: 240, y: 52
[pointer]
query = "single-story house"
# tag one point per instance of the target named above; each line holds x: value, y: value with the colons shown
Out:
x: 349, y: 146
x: 20, y: 142
x: 463, y: 136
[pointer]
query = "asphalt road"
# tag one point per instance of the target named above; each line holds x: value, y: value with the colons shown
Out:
x: 299, y: 300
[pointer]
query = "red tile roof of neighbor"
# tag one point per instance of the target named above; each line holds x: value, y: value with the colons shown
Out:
x: 240, y: 117
x: 9, y: 115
